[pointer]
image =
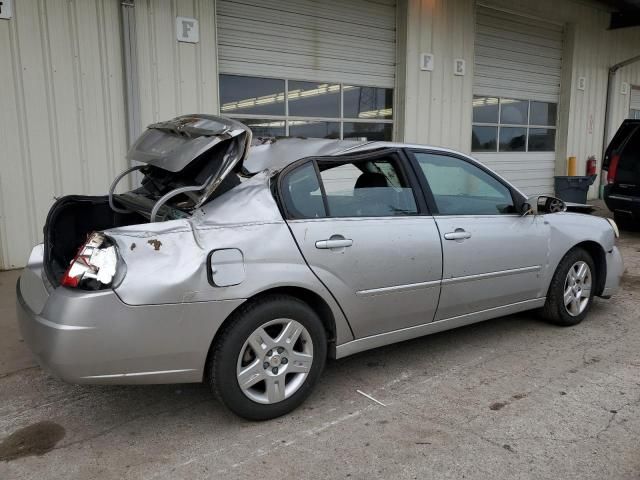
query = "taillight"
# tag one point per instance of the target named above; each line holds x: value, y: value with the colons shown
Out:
x: 94, y: 265
x: 613, y: 168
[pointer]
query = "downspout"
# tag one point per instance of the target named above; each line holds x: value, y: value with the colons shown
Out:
x: 132, y: 90
x: 130, y: 56
x: 607, y: 108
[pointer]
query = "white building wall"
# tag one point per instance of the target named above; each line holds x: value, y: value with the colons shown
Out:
x: 61, y: 112
x: 62, y: 109
x: 175, y: 78
x: 436, y: 106
x: 628, y: 45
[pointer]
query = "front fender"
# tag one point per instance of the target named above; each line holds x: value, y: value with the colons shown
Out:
x: 568, y: 230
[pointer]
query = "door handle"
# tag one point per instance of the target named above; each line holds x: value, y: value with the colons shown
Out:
x: 336, y: 241
x: 458, y: 234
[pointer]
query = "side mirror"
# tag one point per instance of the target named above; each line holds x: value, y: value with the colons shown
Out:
x: 540, y: 204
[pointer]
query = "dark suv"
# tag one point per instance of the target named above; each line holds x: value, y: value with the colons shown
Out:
x: 622, y: 164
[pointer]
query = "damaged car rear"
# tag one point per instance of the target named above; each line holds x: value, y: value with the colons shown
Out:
x: 247, y: 263
x: 184, y: 163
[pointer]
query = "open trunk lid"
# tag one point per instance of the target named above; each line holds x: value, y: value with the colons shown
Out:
x: 175, y: 145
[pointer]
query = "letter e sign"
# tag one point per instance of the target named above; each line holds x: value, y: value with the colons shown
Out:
x: 186, y: 29
x: 5, y: 9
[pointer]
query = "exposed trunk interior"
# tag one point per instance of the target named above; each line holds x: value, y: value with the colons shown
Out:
x: 69, y: 221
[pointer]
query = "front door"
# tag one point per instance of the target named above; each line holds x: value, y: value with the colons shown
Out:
x: 364, y: 233
x: 493, y: 257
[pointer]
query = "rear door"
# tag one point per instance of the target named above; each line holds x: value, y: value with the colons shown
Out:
x: 493, y: 257
x: 366, y: 234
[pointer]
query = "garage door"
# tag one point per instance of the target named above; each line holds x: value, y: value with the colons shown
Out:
x: 308, y: 68
x: 516, y: 90
x: 634, y: 103
x: 347, y: 41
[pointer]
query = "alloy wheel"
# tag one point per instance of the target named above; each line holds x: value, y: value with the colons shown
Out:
x: 275, y: 361
x: 577, y: 288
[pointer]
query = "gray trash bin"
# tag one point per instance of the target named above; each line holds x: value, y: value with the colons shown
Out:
x: 573, y: 189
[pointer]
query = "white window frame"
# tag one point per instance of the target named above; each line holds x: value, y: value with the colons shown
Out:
x: 287, y: 119
x: 528, y: 126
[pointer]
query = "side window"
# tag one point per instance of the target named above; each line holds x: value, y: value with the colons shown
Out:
x: 461, y: 188
x: 301, y: 193
x: 366, y: 188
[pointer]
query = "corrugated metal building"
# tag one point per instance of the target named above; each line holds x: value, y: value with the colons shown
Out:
x: 521, y: 85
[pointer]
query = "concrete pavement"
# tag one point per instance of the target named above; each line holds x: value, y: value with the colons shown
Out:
x: 505, y: 399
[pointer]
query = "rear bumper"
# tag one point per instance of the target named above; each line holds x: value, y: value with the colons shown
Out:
x: 615, y: 268
x: 623, y: 204
x: 93, y: 337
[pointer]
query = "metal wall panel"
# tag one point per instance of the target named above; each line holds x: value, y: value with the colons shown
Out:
x: 175, y: 78
x: 435, y: 107
x: 61, y: 112
x: 350, y: 42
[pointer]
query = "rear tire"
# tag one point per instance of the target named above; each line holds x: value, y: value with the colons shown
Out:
x: 572, y: 288
x: 276, y: 347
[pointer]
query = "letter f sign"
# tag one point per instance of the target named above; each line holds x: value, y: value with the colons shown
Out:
x: 186, y: 30
x: 5, y: 9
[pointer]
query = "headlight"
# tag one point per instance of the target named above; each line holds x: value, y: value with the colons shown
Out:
x: 614, y: 226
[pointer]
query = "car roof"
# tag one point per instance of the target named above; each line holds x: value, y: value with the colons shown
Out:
x: 275, y: 153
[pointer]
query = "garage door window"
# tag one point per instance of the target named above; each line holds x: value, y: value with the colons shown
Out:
x: 282, y: 107
x: 513, y: 125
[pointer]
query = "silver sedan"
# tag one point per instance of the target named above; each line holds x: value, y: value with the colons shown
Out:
x: 247, y: 263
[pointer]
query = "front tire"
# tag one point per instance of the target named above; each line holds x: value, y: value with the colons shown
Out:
x: 571, y: 290
x: 268, y: 358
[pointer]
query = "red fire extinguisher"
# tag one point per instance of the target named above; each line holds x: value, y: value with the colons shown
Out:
x: 591, y: 166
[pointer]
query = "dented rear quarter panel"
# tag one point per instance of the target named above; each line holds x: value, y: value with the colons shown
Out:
x: 167, y: 261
